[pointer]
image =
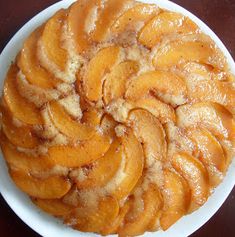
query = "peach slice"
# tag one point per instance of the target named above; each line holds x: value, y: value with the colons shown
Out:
x: 164, y: 24
x: 228, y: 148
x: 218, y: 120
x: 154, y: 224
x: 13, y: 131
x: 206, y: 83
x: 72, y: 198
x: 96, y: 70
x: 49, y: 188
x: 92, y: 117
x: 104, y: 169
x: 210, y: 148
x: 96, y: 218
x: 164, y: 112
x: 177, y: 52
x: 108, y: 125
x: 33, y: 93
x: 139, y: 223
x: 176, y: 196
x: 52, y: 43
x: 211, y: 153
x: 133, y: 167
x: 22, y: 109
x: 139, y: 13
x: 82, y: 154
x: 23, y: 161
x: 198, y: 72
x: 214, y: 91
x: 195, y: 174
x: 30, y: 65
x: 78, y: 15
x: 67, y: 125
x: 115, y: 81
x: 111, y: 11
x: 55, y: 207
x: 150, y: 132
x: 169, y: 87
x: 113, y: 227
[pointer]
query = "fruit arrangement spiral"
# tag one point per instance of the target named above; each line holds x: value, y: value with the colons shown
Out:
x: 118, y: 117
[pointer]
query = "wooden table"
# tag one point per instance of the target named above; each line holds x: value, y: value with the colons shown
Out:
x: 218, y: 14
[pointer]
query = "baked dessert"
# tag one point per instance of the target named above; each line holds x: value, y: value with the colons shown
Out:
x: 117, y: 117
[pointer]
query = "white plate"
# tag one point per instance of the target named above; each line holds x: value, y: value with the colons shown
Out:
x: 48, y: 226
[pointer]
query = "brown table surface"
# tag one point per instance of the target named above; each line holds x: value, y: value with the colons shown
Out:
x: 218, y: 14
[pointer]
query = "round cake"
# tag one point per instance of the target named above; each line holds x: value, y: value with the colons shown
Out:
x: 118, y: 117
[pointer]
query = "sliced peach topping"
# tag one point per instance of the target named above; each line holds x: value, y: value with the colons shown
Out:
x: 139, y: 13
x: 49, y: 188
x: 113, y: 227
x: 116, y: 80
x: 82, y: 154
x: 51, y: 40
x: 108, y: 125
x: 154, y: 224
x: 214, y: 91
x: 197, y: 71
x: 218, y: 120
x: 76, y: 22
x: 20, y: 160
x: 13, y: 131
x: 33, y: 93
x: 194, y: 71
x: 177, y: 52
x: 73, y: 198
x: 211, y: 153
x: 196, y: 175
x: 22, y: 109
x: 111, y: 11
x: 150, y: 132
x: 143, y: 135
x: 67, y: 125
x: 134, y: 164
x: 104, y: 169
x: 167, y: 86
x: 164, y: 112
x: 30, y: 65
x: 94, y: 219
x: 99, y: 65
x: 206, y: 83
x: 176, y: 197
x: 164, y: 24
x: 91, y: 117
x: 137, y: 225
x: 55, y: 207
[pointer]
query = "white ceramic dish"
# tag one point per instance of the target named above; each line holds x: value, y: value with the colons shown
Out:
x: 48, y: 226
